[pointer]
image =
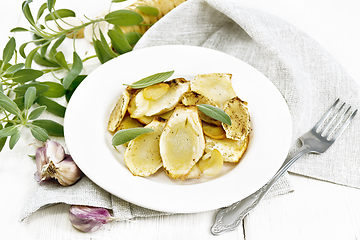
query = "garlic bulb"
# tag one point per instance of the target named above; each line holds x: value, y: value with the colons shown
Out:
x: 52, y: 162
x: 89, y: 219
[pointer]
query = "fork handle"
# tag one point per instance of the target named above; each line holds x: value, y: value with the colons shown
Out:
x: 229, y: 218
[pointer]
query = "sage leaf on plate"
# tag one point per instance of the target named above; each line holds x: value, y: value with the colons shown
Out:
x: 126, y: 135
x: 215, y: 113
x: 151, y: 80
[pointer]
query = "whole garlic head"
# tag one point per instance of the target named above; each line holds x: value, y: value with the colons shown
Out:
x: 52, y: 162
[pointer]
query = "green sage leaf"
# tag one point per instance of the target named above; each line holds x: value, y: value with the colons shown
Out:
x: 124, y: 18
x: 8, y: 131
x: 40, y: 88
x: 117, y: 1
x: 14, y: 139
x: 27, y: 13
x: 14, y: 68
x: 53, y: 128
x: 60, y: 59
x: 151, y: 80
x: 29, y: 98
x: 2, y: 139
x: 51, y: 106
x: 19, y: 29
x: 133, y: 37
x: 74, y: 72
x: 61, y: 13
x: 152, y: 11
x: 36, y: 112
x: 73, y: 86
x: 56, y: 44
x: 9, y: 50
x: 101, y: 53
x: 55, y: 90
x: 126, y: 135
x: 119, y: 42
x: 38, y: 132
x: 11, y: 108
x: 30, y: 57
x: 22, y: 49
x: 106, y: 46
x: 215, y: 113
x: 41, y: 10
x: 26, y: 75
x: 50, y: 4
x: 43, y: 61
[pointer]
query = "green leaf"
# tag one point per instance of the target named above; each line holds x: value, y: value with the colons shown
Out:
x: 13, y: 109
x: 50, y: 4
x: 151, y: 80
x: 41, y: 10
x: 30, y: 57
x: 61, y: 13
x: 133, y: 37
x: 57, y: 43
x: 40, y: 88
x: 51, y: 105
x: 14, y: 68
x: 101, y: 53
x: 30, y: 96
x: 124, y: 18
x: 53, y: 128
x: 117, y: 1
x: 36, y: 112
x: 26, y: 75
x: 43, y: 61
x: 73, y: 86
x: 8, y: 131
x: 152, y: 11
x: 14, y: 139
x: 9, y: 50
x: 19, y: 29
x: 74, y: 72
x: 215, y: 113
x: 119, y: 42
x: 60, y: 59
x: 27, y: 12
x: 22, y: 49
x: 126, y: 135
x: 2, y: 139
x: 106, y: 46
x: 39, y: 133
x: 55, y: 90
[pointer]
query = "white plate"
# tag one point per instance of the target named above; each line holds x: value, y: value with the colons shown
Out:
x: 89, y: 142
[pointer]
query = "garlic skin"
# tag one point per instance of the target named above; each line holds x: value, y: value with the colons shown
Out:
x: 52, y: 162
x: 89, y: 219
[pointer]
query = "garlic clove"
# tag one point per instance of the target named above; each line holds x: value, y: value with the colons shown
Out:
x: 89, y: 219
x: 54, y: 151
x: 41, y: 161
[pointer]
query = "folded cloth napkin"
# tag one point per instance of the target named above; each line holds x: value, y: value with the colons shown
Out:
x: 306, y: 75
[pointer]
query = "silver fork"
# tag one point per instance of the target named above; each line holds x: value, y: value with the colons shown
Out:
x: 314, y: 141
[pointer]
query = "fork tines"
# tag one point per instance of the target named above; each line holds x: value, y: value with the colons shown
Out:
x: 336, y: 121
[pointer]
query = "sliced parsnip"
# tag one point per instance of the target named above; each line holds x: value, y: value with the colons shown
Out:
x: 215, y: 86
x: 119, y: 111
x: 182, y: 141
x: 213, y: 131
x: 155, y: 91
x: 211, y: 164
x: 142, y: 156
x: 240, y: 119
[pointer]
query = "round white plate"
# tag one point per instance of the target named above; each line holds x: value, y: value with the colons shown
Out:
x: 89, y: 142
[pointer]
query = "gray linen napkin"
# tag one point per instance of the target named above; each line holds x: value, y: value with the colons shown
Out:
x: 306, y: 75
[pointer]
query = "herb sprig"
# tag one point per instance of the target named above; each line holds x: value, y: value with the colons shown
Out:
x: 24, y: 96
